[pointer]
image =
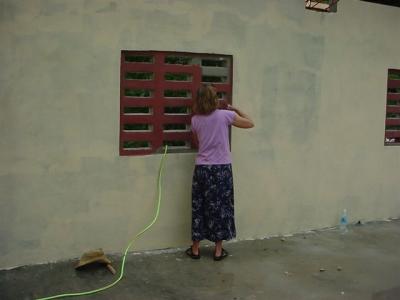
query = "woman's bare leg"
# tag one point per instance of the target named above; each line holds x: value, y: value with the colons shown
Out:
x: 218, y: 248
x: 195, y: 247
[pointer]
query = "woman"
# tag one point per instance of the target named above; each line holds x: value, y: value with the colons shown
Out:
x: 212, y: 187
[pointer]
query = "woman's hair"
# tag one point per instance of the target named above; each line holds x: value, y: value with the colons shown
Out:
x: 206, y: 101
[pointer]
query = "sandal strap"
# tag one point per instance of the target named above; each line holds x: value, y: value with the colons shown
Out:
x: 190, y: 253
x: 224, y: 254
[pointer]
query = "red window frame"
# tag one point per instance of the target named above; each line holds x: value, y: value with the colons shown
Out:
x: 156, y: 136
x: 392, y: 124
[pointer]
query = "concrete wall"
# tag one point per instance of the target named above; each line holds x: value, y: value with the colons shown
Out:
x: 314, y: 83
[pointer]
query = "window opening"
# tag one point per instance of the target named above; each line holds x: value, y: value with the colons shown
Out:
x: 139, y: 58
x: 392, y: 121
x: 214, y: 79
x: 157, y: 91
x: 138, y: 93
x: 138, y: 110
x: 177, y: 144
x: 322, y: 5
x: 178, y: 60
x: 136, y: 145
x: 177, y: 94
x: 176, y: 127
x: 177, y: 110
x: 178, y: 77
x: 138, y: 127
x: 139, y: 75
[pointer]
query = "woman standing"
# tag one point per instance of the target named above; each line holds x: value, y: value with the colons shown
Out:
x: 212, y: 186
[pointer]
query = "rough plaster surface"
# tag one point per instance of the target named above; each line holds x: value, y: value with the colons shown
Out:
x: 314, y: 83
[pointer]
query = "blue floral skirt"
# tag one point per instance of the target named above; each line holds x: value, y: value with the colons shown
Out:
x: 212, y: 203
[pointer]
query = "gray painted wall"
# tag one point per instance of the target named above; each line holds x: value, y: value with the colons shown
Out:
x: 314, y: 83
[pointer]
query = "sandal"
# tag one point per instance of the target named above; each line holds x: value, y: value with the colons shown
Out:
x: 190, y: 253
x: 224, y: 254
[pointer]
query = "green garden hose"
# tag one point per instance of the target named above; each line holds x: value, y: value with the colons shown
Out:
x: 159, y: 190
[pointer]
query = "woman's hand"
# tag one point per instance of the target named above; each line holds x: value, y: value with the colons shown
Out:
x: 241, y: 120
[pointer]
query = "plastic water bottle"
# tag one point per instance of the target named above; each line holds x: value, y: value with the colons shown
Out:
x: 343, y: 221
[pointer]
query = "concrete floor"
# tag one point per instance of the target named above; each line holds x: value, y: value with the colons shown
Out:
x: 368, y: 256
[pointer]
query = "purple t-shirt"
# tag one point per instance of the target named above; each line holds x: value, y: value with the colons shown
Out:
x: 213, y: 134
